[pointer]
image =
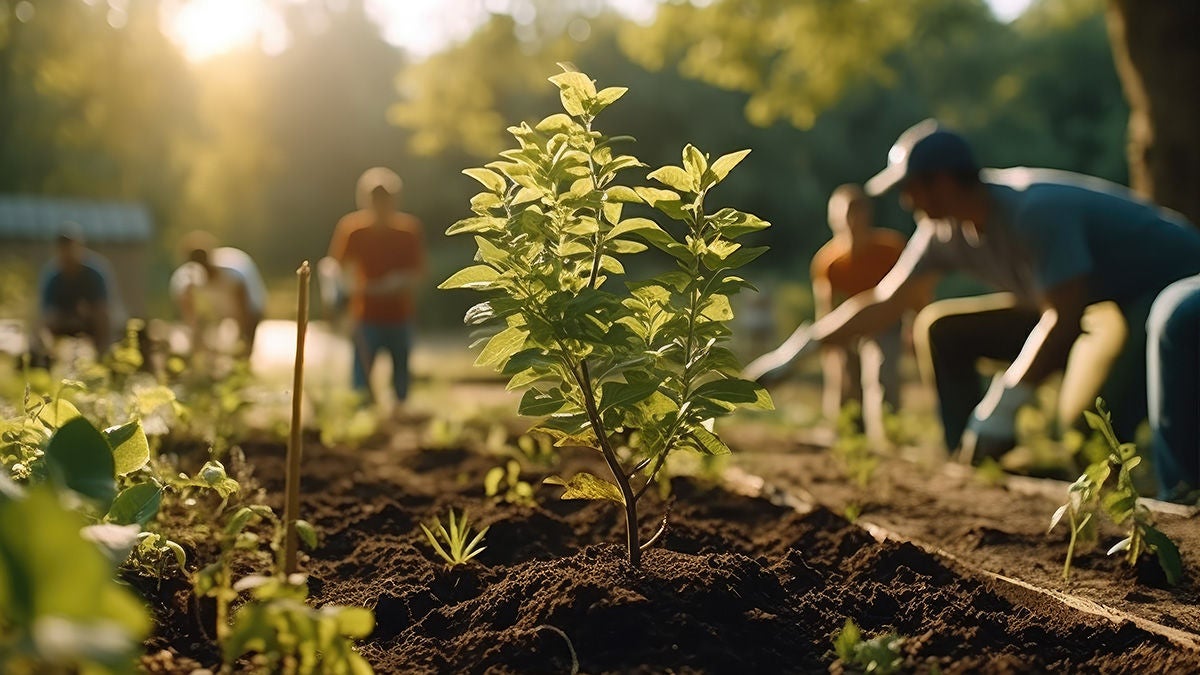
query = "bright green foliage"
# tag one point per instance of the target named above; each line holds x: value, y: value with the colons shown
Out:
x: 288, y: 636
x: 878, y: 655
x: 505, y: 482
x: 1119, y: 502
x: 459, y: 547
x: 60, y: 607
x: 599, y: 353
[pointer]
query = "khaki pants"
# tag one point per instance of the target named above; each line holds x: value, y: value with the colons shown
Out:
x: 1107, y: 360
x: 866, y: 371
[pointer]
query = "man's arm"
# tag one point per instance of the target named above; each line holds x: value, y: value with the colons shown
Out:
x: 1048, y: 345
x: 874, y: 310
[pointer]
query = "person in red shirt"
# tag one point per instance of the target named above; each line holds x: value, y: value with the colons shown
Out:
x: 382, y: 256
x: 857, y: 258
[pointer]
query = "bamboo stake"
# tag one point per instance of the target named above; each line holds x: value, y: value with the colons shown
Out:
x: 295, y: 448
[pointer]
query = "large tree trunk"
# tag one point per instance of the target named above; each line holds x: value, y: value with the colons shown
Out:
x: 1156, y: 46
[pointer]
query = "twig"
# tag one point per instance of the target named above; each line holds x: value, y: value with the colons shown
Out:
x: 295, y: 448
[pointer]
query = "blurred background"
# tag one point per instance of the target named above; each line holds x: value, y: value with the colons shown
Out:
x: 253, y: 118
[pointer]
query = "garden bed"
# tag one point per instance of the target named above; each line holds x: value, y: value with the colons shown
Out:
x: 738, y: 584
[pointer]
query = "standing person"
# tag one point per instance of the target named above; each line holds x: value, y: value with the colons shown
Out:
x: 76, y: 296
x: 859, y: 256
x: 217, y: 283
x: 382, y: 256
x: 1059, y: 245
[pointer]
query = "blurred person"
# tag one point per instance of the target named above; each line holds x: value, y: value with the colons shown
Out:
x: 218, y: 283
x: 382, y: 258
x: 859, y: 256
x: 75, y: 296
x: 1173, y: 365
x: 1063, y: 249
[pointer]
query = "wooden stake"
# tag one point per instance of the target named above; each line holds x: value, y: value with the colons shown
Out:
x: 291, y: 507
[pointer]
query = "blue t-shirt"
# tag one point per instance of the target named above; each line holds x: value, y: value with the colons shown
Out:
x: 1074, y: 225
x: 65, y: 293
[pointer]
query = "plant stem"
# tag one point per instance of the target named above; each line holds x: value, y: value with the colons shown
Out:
x: 295, y: 447
x: 614, y: 466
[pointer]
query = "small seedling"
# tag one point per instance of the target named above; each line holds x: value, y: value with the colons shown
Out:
x: 853, y: 448
x: 1120, y: 503
x: 879, y: 655
x: 505, y: 482
x: 459, y: 548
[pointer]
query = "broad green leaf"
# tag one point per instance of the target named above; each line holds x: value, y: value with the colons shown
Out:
x: 537, y: 403
x: 607, y: 96
x: 584, y: 485
x: 240, y: 519
x: 725, y: 164
x: 476, y: 224
x: 623, y: 194
x: 137, y: 504
x: 1167, y: 553
x: 557, y: 123
x: 717, y: 308
x: 501, y: 346
x: 131, y: 450
x: 485, y: 201
x: 1119, y: 505
x: 707, y: 442
x: 694, y: 163
x: 57, y: 413
x: 575, y: 91
x: 476, y: 277
x: 307, y: 533
x: 355, y: 622
x: 675, y: 178
x: 623, y: 395
x: 488, y: 178
x: 730, y: 390
x: 79, y: 456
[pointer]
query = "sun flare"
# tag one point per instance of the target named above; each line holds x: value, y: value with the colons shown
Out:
x: 207, y: 28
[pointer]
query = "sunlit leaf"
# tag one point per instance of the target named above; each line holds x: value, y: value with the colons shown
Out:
x: 584, y: 485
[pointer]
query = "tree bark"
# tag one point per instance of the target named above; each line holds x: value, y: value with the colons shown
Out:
x: 1156, y: 47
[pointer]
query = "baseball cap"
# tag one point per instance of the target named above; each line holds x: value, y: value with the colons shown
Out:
x: 374, y: 178
x: 925, y: 147
x: 69, y: 232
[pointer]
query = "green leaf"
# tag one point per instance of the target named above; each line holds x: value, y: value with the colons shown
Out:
x: 476, y: 224
x: 137, y: 504
x: 240, y: 519
x: 584, y: 485
x: 79, y: 456
x: 131, y: 450
x: 1119, y: 505
x: 57, y: 413
x: 537, y: 403
x: 731, y: 390
x: 307, y: 533
x: 607, y: 96
x: 694, y: 163
x: 707, y: 443
x: 477, y: 277
x: 576, y: 91
x: 674, y: 177
x: 355, y: 622
x: 623, y: 395
x: 1167, y: 553
x: 725, y: 163
x: 489, y: 179
x: 501, y: 346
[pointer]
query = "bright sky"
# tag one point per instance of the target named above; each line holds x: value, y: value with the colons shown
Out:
x: 206, y: 28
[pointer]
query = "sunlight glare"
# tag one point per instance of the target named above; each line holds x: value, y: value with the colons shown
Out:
x: 206, y: 28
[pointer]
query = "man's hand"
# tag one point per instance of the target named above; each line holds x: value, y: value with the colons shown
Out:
x: 771, y: 367
x: 992, y: 429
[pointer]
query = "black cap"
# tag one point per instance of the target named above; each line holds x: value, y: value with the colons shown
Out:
x: 925, y: 147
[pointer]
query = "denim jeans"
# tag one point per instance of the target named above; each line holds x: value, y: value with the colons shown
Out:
x: 1173, y: 380
x: 369, y: 339
x: 1107, y: 359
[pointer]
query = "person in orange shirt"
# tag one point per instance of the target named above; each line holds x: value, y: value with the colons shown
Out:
x: 382, y: 257
x: 857, y: 258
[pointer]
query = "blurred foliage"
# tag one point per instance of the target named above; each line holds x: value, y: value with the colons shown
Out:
x: 264, y: 150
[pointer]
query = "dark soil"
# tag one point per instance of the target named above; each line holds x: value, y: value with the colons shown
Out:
x: 999, y: 528
x: 738, y: 585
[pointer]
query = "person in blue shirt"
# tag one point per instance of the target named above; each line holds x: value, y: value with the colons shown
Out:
x: 1061, y: 247
x: 75, y: 297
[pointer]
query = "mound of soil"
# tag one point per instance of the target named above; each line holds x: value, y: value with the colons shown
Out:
x: 737, y: 585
